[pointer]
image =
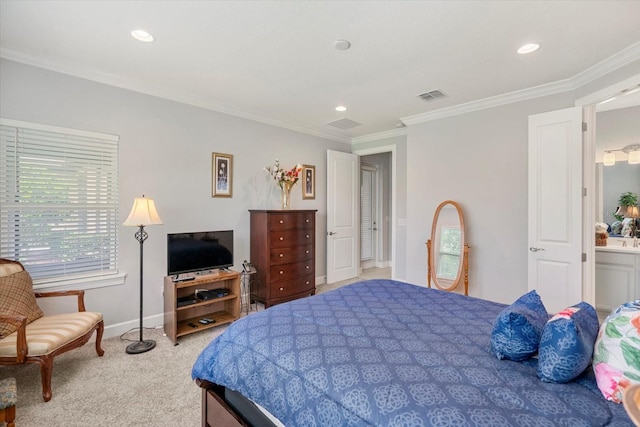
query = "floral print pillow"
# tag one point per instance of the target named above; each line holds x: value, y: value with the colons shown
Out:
x: 616, y: 356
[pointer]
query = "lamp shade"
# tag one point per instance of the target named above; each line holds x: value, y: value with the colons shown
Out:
x: 143, y: 212
x: 632, y: 212
x: 609, y: 159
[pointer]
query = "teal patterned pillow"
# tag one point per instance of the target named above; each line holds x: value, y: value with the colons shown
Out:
x: 567, y: 342
x: 516, y: 331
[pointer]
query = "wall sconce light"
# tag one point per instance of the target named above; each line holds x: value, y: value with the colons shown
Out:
x: 633, y: 151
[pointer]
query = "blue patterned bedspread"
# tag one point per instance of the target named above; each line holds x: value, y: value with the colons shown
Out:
x: 387, y: 353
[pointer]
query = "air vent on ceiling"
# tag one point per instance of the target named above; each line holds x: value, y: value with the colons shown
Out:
x: 344, y: 124
x: 432, y: 95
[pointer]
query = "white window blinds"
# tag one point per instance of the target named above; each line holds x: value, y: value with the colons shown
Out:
x: 58, y: 200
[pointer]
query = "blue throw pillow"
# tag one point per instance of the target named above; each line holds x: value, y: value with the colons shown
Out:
x: 517, y: 329
x: 567, y: 343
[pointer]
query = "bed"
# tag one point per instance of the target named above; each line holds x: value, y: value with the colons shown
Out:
x: 384, y: 353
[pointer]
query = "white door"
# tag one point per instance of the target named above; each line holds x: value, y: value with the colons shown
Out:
x: 555, y: 207
x: 343, y: 215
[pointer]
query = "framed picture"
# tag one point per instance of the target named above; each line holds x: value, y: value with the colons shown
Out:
x: 221, y: 175
x: 309, y: 182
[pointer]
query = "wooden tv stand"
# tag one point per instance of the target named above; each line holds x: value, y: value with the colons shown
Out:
x: 184, y: 320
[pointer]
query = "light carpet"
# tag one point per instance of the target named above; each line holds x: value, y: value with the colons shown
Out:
x: 148, y: 389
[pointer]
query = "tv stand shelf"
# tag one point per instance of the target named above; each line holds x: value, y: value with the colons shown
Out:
x: 184, y: 320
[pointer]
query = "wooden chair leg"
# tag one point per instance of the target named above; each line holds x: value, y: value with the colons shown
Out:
x: 9, y: 416
x: 46, y: 368
x: 99, y: 333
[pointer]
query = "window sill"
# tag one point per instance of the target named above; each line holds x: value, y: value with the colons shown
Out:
x: 83, y: 283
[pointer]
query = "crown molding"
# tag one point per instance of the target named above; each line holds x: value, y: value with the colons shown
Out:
x: 602, y: 68
x: 378, y: 136
x: 168, y: 94
x: 612, y: 63
x: 494, y: 101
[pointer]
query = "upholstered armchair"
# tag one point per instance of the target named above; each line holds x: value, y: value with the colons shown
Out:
x: 28, y: 336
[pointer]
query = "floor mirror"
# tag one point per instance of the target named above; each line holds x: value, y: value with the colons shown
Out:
x: 447, y: 250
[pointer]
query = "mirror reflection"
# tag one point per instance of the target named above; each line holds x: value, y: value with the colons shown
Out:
x: 616, y: 129
x: 447, y: 249
x: 448, y: 252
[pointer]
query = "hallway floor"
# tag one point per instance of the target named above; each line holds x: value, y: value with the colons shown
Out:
x: 370, y: 273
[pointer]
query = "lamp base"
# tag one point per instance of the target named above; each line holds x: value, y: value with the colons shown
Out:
x: 141, y: 347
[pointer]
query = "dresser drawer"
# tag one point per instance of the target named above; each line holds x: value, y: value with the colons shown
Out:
x: 284, y: 221
x: 291, y: 271
x: 291, y: 254
x: 291, y: 287
x: 285, y: 239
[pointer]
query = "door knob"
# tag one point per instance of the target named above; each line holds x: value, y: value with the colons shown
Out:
x: 534, y: 249
x: 331, y: 233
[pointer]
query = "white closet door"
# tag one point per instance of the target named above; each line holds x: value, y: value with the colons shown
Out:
x: 555, y: 207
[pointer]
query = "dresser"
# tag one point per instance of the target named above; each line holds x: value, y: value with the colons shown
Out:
x: 283, y: 251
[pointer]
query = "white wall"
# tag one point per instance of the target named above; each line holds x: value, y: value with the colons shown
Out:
x: 165, y: 153
x: 479, y: 160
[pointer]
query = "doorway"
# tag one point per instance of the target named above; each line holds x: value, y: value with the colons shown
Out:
x: 369, y: 218
x: 384, y: 158
x: 592, y: 103
x: 618, y: 125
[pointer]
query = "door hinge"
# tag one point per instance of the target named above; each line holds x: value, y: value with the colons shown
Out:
x: 584, y: 257
x: 584, y: 191
x: 584, y: 126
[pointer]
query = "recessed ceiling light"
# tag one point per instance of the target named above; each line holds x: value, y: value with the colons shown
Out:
x: 341, y: 108
x: 142, y: 36
x: 528, y: 48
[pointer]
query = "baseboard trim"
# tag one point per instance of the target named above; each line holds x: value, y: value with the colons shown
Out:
x: 154, y: 321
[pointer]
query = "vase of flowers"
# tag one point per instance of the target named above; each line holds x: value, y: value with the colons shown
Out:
x: 285, y: 180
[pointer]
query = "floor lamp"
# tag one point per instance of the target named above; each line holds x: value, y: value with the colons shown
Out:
x: 142, y: 213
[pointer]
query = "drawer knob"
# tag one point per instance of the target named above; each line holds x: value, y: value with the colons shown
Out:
x: 307, y: 220
x: 281, y: 272
x: 281, y: 255
x: 307, y: 236
x: 282, y: 238
x: 306, y: 283
x: 307, y: 251
x: 307, y: 267
x: 282, y: 289
x: 281, y: 221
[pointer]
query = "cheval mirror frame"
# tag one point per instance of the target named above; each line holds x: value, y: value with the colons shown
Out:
x: 463, y: 263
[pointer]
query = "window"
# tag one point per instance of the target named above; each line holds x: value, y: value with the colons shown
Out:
x: 59, y: 204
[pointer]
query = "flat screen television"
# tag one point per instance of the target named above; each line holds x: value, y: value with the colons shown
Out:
x: 199, y: 251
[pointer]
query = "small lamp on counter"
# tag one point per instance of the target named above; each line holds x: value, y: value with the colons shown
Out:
x: 632, y: 212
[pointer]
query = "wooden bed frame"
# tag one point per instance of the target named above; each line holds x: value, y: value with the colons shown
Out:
x: 224, y: 408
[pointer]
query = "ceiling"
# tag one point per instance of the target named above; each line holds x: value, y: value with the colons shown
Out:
x: 275, y: 61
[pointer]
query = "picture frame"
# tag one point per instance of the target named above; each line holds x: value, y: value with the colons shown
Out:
x: 221, y: 175
x: 308, y: 182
